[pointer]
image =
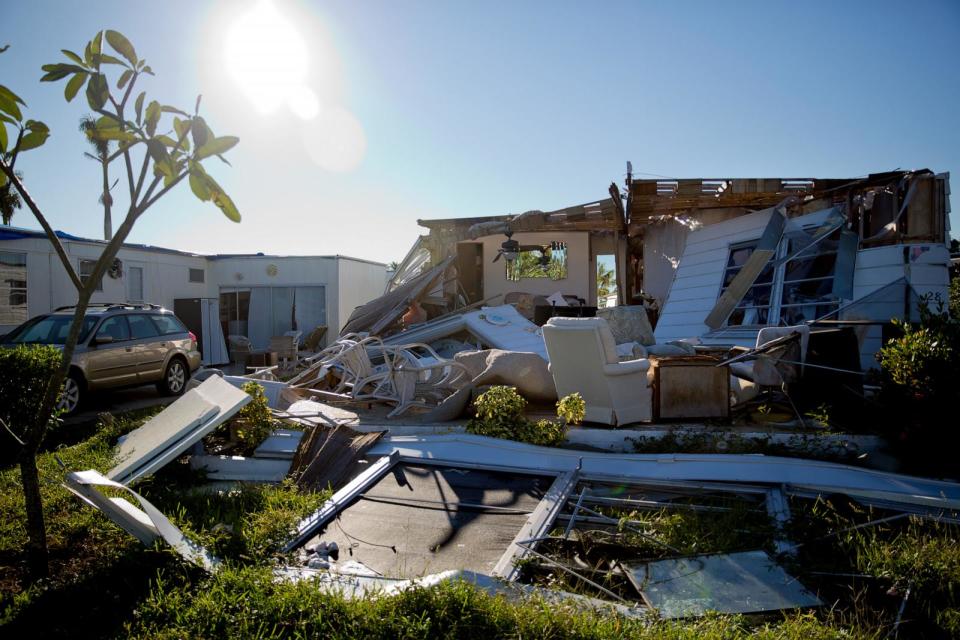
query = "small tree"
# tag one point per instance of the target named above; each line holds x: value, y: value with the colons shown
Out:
x: 155, y: 160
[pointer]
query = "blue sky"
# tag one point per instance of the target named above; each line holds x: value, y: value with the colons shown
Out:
x: 471, y: 108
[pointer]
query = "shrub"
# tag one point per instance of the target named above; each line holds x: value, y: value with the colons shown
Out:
x: 572, y: 408
x: 919, y: 370
x: 255, y: 417
x: 25, y: 371
x: 499, y: 414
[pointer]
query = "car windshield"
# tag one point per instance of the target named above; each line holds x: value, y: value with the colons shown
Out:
x: 49, y: 330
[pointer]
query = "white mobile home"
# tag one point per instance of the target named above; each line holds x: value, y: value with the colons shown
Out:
x: 254, y: 295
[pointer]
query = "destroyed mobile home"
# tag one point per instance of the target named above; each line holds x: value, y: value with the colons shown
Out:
x: 727, y: 289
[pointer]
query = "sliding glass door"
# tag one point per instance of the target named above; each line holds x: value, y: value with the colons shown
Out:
x: 262, y: 312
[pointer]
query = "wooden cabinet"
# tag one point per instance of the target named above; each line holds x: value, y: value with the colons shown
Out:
x: 687, y: 387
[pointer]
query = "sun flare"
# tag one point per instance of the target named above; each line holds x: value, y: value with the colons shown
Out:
x: 269, y: 59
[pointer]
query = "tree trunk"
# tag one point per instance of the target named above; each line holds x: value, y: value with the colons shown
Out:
x: 29, y: 475
x: 33, y: 505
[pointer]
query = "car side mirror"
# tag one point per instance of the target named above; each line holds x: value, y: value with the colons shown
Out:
x: 106, y: 339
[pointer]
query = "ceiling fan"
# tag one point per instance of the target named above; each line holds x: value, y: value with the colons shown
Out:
x: 511, y: 249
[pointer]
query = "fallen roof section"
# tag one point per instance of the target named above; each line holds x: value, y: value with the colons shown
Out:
x: 795, y: 474
x: 171, y: 432
x: 423, y: 518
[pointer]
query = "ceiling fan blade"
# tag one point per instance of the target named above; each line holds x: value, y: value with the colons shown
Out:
x: 497, y: 257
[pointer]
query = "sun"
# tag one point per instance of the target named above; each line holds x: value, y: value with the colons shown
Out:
x: 269, y: 59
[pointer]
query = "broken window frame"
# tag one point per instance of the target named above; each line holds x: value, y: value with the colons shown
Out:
x: 791, y: 250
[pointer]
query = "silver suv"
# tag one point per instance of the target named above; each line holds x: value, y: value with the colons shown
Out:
x: 120, y: 345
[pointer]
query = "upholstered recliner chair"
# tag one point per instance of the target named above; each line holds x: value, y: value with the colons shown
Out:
x: 583, y: 359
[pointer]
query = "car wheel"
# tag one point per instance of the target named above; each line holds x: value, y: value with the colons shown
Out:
x: 71, y: 394
x: 174, y: 378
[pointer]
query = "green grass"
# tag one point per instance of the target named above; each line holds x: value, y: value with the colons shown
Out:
x: 246, y: 603
x: 105, y: 584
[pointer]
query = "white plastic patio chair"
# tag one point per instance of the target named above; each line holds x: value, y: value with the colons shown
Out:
x: 423, y: 381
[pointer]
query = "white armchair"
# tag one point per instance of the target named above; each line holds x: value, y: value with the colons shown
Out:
x: 583, y: 359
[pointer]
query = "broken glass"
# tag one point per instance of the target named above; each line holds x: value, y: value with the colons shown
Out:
x: 744, y: 582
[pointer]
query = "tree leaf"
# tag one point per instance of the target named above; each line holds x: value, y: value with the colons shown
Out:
x: 8, y: 119
x: 9, y: 106
x: 227, y: 206
x: 152, y: 117
x: 39, y: 132
x: 169, y: 109
x: 175, y: 168
x: 124, y: 79
x: 161, y: 158
x: 111, y: 134
x: 96, y: 45
x: 3, y: 178
x: 97, y: 91
x: 121, y: 45
x: 88, y: 54
x: 167, y: 140
x: 108, y: 121
x: 35, y: 125
x: 3, y: 139
x: 138, y: 105
x: 200, y: 132
x: 4, y: 91
x: 182, y: 127
x: 70, y: 91
x: 73, y: 56
x: 106, y: 58
x: 206, y: 188
x: 147, y: 69
x: 217, y: 146
x: 59, y: 71
x: 198, y: 185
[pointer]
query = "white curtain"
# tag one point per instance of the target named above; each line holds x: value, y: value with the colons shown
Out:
x: 311, y: 308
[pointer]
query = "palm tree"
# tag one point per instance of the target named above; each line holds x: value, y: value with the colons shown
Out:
x: 102, y: 148
x: 605, y: 282
x: 9, y: 198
